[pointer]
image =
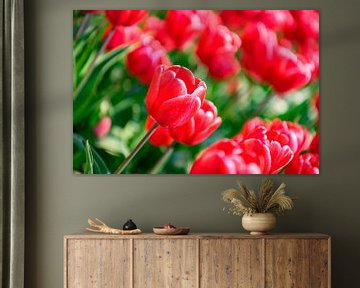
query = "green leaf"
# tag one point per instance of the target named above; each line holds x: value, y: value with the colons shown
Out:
x: 89, y: 164
x: 86, y: 96
x: 99, y: 165
x: 113, y: 146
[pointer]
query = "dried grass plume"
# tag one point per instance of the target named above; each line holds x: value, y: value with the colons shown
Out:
x: 267, y: 200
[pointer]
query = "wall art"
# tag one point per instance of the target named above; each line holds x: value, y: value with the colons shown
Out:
x: 196, y: 92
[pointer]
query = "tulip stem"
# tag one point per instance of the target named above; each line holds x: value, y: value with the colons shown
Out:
x: 83, y: 25
x: 138, y: 147
x: 164, y: 157
x: 105, y: 43
x: 261, y: 107
x: 235, y: 99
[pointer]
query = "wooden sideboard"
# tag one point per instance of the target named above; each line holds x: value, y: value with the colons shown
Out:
x: 197, y: 260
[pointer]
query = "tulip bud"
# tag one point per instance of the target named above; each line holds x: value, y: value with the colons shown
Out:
x: 216, y: 49
x: 143, y: 60
x: 174, y: 95
x: 102, y: 128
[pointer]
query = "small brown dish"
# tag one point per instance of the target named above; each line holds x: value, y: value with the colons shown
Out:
x: 171, y: 231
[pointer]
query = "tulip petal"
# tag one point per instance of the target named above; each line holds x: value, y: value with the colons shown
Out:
x: 171, y: 89
x: 201, y: 135
x: 257, y: 152
x: 280, y: 155
x: 185, y: 75
x: 177, y: 111
x: 154, y: 88
x: 185, y: 132
x: 200, y: 91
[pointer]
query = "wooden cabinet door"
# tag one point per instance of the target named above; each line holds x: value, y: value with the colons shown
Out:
x: 297, y: 263
x: 287, y: 263
x: 165, y: 263
x: 98, y: 263
x: 231, y: 263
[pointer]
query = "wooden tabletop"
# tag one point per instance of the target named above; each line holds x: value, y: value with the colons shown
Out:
x: 89, y: 235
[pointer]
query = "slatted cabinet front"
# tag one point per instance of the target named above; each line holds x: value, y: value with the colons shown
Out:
x: 197, y: 261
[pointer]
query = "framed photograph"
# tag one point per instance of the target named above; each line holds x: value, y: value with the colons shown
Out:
x: 196, y: 91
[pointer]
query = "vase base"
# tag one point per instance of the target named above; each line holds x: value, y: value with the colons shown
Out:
x: 257, y: 233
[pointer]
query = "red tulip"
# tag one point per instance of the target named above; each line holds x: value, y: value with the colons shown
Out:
x: 174, y: 95
x: 143, y: 60
x: 102, y: 128
x: 156, y: 27
x: 280, y: 152
x: 161, y: 136
x: 125, y: 17
x: 200, y: 127
x: 273, y: 19
x: 237, y: 19
x: 258, y: 45
x: 122, y: 36
x: 297, y: 137
x: 305, y: 25
x: 284, y: 139
x: 251, y: 155
x: 288, y: 71
x: 216, y: 49
x: 224, y: 157
x: 183, y: 25
x: 304, y: 164
x: 267, y: 61
x: 180, y: 26
x: 277, y: 19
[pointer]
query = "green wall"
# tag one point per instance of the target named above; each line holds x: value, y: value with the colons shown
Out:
x: 59, y: 203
